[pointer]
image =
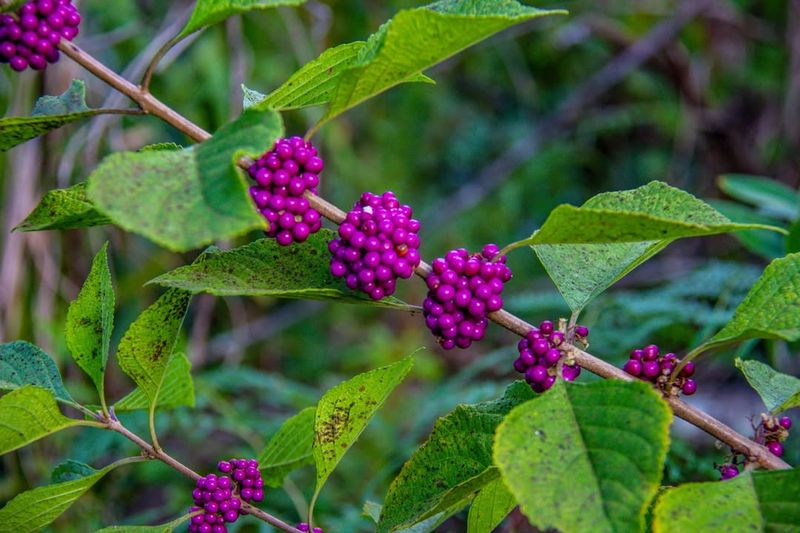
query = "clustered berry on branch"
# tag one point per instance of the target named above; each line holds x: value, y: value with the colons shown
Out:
x: 462, y: 290
x: 540, y: 352
x: 377, y: 244
x: 30, y: 37
x: 282, y: 175
x: 770, y: 431
x: 302, y: 526
x: 649, y: 365
x: 220, y: 497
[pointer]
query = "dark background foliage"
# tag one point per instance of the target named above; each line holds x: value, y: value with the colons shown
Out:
x: 614, y: 95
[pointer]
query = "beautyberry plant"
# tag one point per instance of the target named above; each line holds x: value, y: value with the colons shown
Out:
x: 29, y: 37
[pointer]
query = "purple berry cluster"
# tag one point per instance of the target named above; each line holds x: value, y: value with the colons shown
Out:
x: 220, y: 497
x: 649, y: 365
x: 377, y: 244
x: 728, y: 471
x: 305, y: 528
x: 30, y: 39
x: 462, y: 290
x: 282, y: 175
x: 772, y: 432
x: 541, y: 350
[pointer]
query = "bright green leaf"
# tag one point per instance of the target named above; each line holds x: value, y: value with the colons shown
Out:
x: 778, y: 391
x: 27, y: 415
x: 177, y: 389
x: 757, y: 501
x: 771, y: 310
x: 90, y: 321
x: 70, y: 470
x: 49, y: 113
x: 454, y: 463
x: 264, y: 268
x: 22, y: 363
x: 586, y: 457
x: 33, y: 510
x: 490, y: 507
x: 68, y: 208
x: 763, y: 242
x: 163, y: 528
x: 10, y: 5
x: 344, y: 412
x: 145, y: 350
x: 290, y: 448
x: 772, y: 197
x: 208, y: 12
x: 416, y: 39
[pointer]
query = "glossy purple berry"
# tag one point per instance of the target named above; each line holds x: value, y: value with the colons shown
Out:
x: 775, y: 448
x: 689, y: 387
x: 633, y: 367
x: 28, y: 40
x: 581, y: 331
x: 302, y: 526
x: 785, y: 422
x: 539, y: 354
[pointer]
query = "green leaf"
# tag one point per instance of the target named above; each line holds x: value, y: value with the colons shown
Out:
x: 290, y: 448
x: 345, y: 410
x: 772, y: 197
x: 22, y: 363
x: 372, y: 510
x: 762, y: 242
x: 33, y: 510
x: 208, y: 12
x: 758, y: 501
x: 778, y: 391
x: 10, y: 5
x: 253, y: 133
x: 177, y: 389
x: 264, y: 268
x: 145, y: 350
x: 454, y: 463
x: 70, y: 470
x: 490, y: 507
x: 68, y: 208
x: 416, y: 39
x: 49, y: 113
x: 771, y: 310
x: 586, y: 457
x: 163, y: 528
x: 586, y: 249
x: 28, y: 414
x: 90, y: 321
x: 251, y: 97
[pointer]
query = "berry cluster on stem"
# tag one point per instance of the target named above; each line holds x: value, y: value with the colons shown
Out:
x: 377, y: 244
x: 772, y: 431
x: 30, y: 37
x: 542, y: 350
x: 282, y: 175
x: 649, y: 365
x: 220, y: 497
x: 305, y: 528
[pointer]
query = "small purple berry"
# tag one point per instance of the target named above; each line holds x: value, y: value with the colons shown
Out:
x: 785, y: 422
x: 581, y: 331
x: 688, y: 370
x: 633, y: 367
x: 775, y: 448
x: 689, y: 387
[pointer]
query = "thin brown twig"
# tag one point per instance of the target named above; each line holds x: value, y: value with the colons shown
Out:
x: 707, y: 423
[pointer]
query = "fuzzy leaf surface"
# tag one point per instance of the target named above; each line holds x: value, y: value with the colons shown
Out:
x: 28, y: 414
x: 778, y: 391
x: 758, y: 501
x: 455, y: 462
x: 290, y: 448
x: 145, y: 351
x: 68, y: 208
x: 613, y: 437
x: 344, y: 411
x: 177, y: 389
x: 208, y: 12
x: 264, y: 268
x: 90, y: 321
x: 22, y: 363
x: 490, y: 507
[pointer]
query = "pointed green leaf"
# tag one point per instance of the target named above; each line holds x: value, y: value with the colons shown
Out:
x: 264, y: 268
x: 49, y: 113
x: 27, y: 415
x: 586, y: 249
x: 68, y: 208
x: 22, y: 363
x: 177, y: 389
x: 416, y: 39
x: 35, y: 509
x: 290, y: 448
x: 345, y: 410
x: 145, y: 350
x: 252, y: 134
x: 772, y: 197
x: 758, y: 501
x: 251, y: 97
x: 763, y: 242
x: 778, y: 391
x: 771, y: 310
x: 70, y: 470
x: 163, y: 528
x: 612, y: 438
x: 90, y: 321
x: 490, y: 507
x: 454, y: 463
x: 208, y: 12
